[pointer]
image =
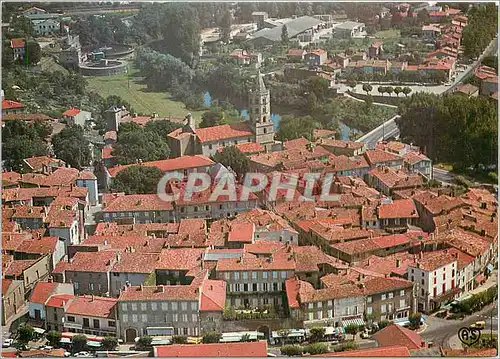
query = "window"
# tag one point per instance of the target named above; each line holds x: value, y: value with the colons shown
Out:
x: 154, y: 306
x: 369, y: 310
x: 320, y: 314
x: 391, y: 295
x: 175, y: 317
x: 444, y: 287
x: 86, y: 322
x: 264, y: 286
x: 320, y: 304
x: 369, y: 299
x: 330, y: 313
x: 194, y: 317
x: 164, y: 306
x: 184, y: 306
x: 283, y: 275
x: 423, y: 282
x: 254, y: 287
x: 124, y: 307
x: 435, y: 291
x: 310, y: 305
x: 111, y: 324
x: 184, y: 317
x: 264, y: 275
x: 383, y: 296
x: 275, y: 275
x: 402, y: 303
x: 383, y: 308
x: 311, y: 316
x: 422, y: 292
x: 125, y: 317
x: 402, y: 292
x: 134, y: 307
x: 330, y: 303
x: 134, y: 318
x: 194, y: 305
x: 275, y: 287
x: 144, y: 307
x: 77, y: 285
x: 245, y: 287
x: 227, y: 276
x: 174, y: 305
x: 236, y: 275
x: 245, y: 275
x: 71, y: 319
x: 97, y: 324
x: 254, y: 275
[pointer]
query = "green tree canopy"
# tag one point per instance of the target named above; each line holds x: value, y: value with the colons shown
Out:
x: 78, y: 343
x: 54, y: 338
x: 25, y: 334
x: 317, y: 334
x: 21, y: 141
x: 284, y: 35
x: 295, y: 127
x: 33, y: 53
x: 109, y: 343
x: 140, y: 144
x: 481, y: 28
x: 71, y: 146
x: 211, y: 337
x: 232, y: 157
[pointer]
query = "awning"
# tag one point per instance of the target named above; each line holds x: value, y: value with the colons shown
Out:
x: 94, y: 344
x: 334, y: 331
x: 355, y: 321
x: 39, y: 330
x: 490, y: 267
x: 65, y: 340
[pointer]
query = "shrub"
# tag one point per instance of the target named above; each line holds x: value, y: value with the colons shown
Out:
x: 291, y: 350
x: 383, y: 324
x: 78, y: 343
x: 179, y: 339
x: 462, y: 181
x: 346, y: 346
x: 109, y: 343
x: 316, y: 348
x: 415, y: 319
x: 54, y: 338
x: 493, y: 177
x: 144, y: 343
x: 212, y: 337
x: 317, y: 334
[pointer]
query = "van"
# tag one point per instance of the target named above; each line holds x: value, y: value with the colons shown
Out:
x: 478, y: 325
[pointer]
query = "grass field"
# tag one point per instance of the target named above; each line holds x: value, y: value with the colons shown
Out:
x: 388, y: 34
x: 137, y: 95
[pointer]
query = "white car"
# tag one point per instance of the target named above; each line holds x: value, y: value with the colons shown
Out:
x: 7, y: 342
x: 83, y: 355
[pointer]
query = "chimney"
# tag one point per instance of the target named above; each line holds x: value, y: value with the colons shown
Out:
x: 92, y: 298
x: 160, y: 289
x: 398, y: 263
x: 141, y: 287
x: 50, y: 280
x: 421, y: 255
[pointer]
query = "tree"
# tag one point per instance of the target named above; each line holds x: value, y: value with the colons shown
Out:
x: 144, y: 343
x: 227, y: 21
x: 179, y: 339
x: 78, y: 343
x: 381, y: 90
x: 212, y: 117
x: 351, y: 84
x: 7, y: 55
x: 284, y: 35
x: 21, y: 141
x: 33, y: 53
x: 312, y: 102
x: 295, y: 127
x: 491, y: 61
x: 389, y: 90
x: 398, y: 90
x: 317, y: 334
x: 291, y: 350
x: 367, y: 88
x: 246, y: 338
x: 109, y: 343
x: 407, y: 91
x: 71, y: 146
x: 316, y: 85
x: 233, y: 158
x: 137, y: 180
x: 352, y: 329
x: 383, y: 323
x: 415, y: 319
x: 25, y: 334
x: 140, y: 145
x: 211, y: 337
x: 54, y: 338
x: 161, y: 127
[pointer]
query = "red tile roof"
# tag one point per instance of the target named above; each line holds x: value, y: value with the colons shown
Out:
x: 18, y: 42
x: 250, y: 147
x: 42, y: 291
x: 136, y: 263
x: 379, y: 156
x: 160, y: 292
x: 169, y: 165
x: 245, y: 349
x: 9, y: 104
x: 96, y: 262
x: 180, y: 258
x: 110, y: 135
x: 399, y: 208
x: 398, y: 335
x: 389, y: 351
x: 222, y: 132
x: 296, y: 52
x: 92, y: 306
x: 40, y: 246
x: 71, y: 112
x: 433, y: 260
x: 106, y: 152
x: 18, y: 266
x: 6, y: 285
x: 138, y: 202
x: 59, y: 300
x: 213, y: 295
x: 241, y: 232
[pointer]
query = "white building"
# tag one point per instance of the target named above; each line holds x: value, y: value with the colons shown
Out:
x: 435, y: 278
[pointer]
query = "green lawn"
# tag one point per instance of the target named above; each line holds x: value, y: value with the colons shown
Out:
x: 137, y: 95
x: 388, y: 34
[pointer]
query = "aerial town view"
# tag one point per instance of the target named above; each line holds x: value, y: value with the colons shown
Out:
x: 249, y: 179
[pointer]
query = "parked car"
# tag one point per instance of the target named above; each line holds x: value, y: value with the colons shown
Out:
x: 83, y: 355
x: 365, y: 335
x: 7, y: 343
x: 478, y: 325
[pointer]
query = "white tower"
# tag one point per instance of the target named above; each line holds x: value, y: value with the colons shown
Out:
x: 260, y: 113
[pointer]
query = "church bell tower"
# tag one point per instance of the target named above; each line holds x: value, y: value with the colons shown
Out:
x: 260, y: 113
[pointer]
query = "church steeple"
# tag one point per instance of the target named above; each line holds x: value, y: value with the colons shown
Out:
x: 260, y: 111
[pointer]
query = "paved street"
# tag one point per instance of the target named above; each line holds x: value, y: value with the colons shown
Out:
x: 443, y: 175
x: 384, y: 131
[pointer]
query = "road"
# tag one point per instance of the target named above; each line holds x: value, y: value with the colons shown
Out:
x: 442, y: 175
x: 440, y: 330
x: 386, y: 130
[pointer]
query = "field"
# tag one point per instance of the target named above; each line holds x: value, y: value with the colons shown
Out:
x: 137, y: 95
x: 388, y: 34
